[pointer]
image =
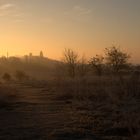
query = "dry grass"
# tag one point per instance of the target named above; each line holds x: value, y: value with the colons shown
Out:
x: 7, y: 94
x: 115, y: 100
x: 106, y: 107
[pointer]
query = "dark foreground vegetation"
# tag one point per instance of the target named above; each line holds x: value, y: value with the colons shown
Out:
x: 74, y: 99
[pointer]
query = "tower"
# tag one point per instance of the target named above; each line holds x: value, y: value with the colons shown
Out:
x: 41, y: 54
x: 7, y: 55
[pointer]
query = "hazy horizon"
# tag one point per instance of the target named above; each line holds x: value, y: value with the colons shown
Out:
x: 70, y: 69
x: 87, y: 26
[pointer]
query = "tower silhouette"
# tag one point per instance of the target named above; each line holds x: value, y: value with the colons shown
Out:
x: 41, y: 54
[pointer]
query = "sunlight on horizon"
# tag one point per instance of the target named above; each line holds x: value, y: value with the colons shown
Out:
x: 87, y: 26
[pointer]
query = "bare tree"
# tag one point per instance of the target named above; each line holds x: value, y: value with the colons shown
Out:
x: 97, y: 64
x: 70, y: 58
x: 116, y: 58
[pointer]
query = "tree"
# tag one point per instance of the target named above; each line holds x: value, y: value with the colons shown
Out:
x: 70, y: 58
x: 116, y: 58
x: 6, y: 77
x: 97, y: 64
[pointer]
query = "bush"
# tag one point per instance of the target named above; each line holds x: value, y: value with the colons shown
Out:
x: 20, y: 76
x: 6, y: 77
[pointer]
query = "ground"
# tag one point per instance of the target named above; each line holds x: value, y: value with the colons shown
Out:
x: 33, y: 110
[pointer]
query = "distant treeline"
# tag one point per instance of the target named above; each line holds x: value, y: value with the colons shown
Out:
x: 114, y: 62
x: 33, y: 66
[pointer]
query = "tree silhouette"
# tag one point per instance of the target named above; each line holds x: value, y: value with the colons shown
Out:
x: 70, y: 58
x: 116, y: 58
x: 97, y: 64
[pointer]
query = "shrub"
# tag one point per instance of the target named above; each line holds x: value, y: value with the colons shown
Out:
x: 6, y: 77
x: 20, y: 76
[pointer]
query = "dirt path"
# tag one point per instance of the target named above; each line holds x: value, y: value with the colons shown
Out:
x: 40, y: 112
x: 36, y: 115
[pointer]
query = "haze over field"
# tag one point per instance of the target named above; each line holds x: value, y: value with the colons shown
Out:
x: 69, y: 69
x: 52, y: 25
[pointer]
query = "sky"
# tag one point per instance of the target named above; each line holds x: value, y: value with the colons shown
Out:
x: 86, y: 26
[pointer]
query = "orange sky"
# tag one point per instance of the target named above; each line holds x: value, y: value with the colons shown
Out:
x: 87, y: 26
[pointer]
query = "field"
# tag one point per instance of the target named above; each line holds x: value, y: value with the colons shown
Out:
x: 69, y: 69
x: 97, y: 108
